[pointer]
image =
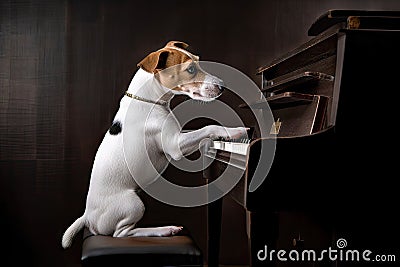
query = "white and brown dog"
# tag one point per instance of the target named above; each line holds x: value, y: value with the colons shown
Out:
x: 113, y: 206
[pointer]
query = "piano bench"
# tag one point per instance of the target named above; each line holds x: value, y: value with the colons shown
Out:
x: 179, y: 250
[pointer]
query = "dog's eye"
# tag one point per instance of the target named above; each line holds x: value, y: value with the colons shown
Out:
x: 191, y: 69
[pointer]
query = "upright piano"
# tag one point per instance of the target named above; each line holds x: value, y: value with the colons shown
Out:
x: 335, y: 103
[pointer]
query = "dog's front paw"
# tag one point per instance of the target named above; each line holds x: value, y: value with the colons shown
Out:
x: 237, y: 133
x: 227, y: 133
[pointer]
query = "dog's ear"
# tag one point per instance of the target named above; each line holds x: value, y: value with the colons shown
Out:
x: 154, y: 61
x: 178, y: 44
x: 158, y: 60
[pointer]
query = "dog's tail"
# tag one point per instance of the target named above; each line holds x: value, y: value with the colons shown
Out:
x: 72, y: 231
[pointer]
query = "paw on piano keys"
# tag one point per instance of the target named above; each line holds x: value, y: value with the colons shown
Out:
x: 237, y: 146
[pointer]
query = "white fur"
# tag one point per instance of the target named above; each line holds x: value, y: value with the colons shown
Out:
x: 113, y: 206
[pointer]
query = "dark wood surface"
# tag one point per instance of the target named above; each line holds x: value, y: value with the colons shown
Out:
x: 367, y: 19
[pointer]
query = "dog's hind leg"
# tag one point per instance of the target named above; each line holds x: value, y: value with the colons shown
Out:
x: 149, y: 231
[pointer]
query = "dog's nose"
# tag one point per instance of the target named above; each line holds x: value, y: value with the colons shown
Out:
x: 219, y: 83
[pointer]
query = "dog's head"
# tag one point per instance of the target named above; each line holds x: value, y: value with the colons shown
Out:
x: 179, y: 70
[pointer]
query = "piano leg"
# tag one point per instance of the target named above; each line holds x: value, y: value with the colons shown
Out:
x: 214, y: 232
x: 263, y: 233
x: 214, y: 215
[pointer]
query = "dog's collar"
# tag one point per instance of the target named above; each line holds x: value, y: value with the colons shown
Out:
x: 160, y: 102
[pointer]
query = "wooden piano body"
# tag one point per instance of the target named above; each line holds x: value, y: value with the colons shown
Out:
x: 335, y: 100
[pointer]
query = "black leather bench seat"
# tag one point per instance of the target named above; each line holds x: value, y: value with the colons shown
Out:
x: 98, y: 250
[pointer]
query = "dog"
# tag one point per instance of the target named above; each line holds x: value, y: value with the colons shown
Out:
x: 113, y: 206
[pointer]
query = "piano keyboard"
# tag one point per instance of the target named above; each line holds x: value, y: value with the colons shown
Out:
x: 234, y: 146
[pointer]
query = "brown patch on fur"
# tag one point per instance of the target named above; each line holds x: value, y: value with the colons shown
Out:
x: 178, y: 44
x: 164, y: 58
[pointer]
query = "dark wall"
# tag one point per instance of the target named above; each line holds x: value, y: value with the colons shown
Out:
x: 36, y: 193
x: 63, y: 68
